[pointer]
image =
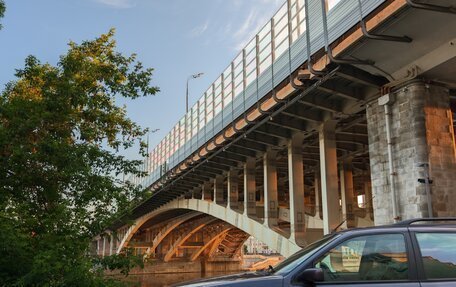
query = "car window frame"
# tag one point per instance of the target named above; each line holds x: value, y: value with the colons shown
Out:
x: 408, y: 248
x: 417, y: 251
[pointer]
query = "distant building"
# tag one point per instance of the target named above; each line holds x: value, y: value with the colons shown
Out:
x: 255, y: 246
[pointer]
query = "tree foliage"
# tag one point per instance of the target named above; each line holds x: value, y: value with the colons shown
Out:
x: 60, y: 183
x: 2, y: 10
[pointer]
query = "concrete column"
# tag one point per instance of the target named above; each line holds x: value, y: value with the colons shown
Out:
x: 249, y: 188
x: 271, y: 201
x: 233, y: 190
x: 197, y: 193
x: 218, y: 190
x: 207, y: 191
x: 329, y: 180
x: 347, y: 193
x: 104, y: 246
x: 422, y: 132
x: 368, y: 198
x: 111, y: 244
x: 98, y: 246
x: 296, y: 189
x: 317, y: 188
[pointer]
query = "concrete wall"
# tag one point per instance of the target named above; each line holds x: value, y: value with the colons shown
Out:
x: 422, y: 132
x: 178, y: 267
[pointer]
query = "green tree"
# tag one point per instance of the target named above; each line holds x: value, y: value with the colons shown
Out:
x: 2, y: 10
x: 60, y: 130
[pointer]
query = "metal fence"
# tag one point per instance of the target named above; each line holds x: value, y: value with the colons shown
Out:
x: 279, y: 48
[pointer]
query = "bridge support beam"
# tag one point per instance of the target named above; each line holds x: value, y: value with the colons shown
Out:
x: 218, y: 190
x: 249, y: 188
x: 329, y: 180
x: 233, y: 190
x: 347, y: 193
x: 296, y: 189
x: 207, y: 192
x: 271, y: 201
x: 422, y: 143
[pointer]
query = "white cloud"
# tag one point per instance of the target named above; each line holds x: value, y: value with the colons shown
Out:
x: 119, y: 4
x: 199, y: 30
x: 249, y: 27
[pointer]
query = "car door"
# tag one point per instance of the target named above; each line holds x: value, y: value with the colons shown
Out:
x: 436, y: 256
x: 379, y: 260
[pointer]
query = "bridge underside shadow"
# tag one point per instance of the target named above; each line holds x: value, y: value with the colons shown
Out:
x: 192, y: 229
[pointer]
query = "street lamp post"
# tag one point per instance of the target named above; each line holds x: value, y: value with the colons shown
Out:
x: 186, y: 93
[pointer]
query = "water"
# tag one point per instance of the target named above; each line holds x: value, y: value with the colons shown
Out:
x: 168, y: 279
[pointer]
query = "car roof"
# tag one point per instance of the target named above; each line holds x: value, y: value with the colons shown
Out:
x: 433, y: 223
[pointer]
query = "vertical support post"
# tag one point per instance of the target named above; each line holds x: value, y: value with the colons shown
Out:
x: 104, y: 246
x: 111, y: 244
x: 329, y: 180
x: 347, y: 193
x: 233, y: 190
x: 296, y: 189
x: 218, y: 190
x: 317, y: 188
x: 368, y: 204
x: 249, y: 188
x: 270, y: 189
x: 207, y: 192
x: 98, y: 246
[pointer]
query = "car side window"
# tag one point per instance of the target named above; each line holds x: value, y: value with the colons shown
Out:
x: 438, y: 254
x: 380, y: 257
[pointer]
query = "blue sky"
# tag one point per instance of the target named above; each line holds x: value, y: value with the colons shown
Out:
x: 175, y: 37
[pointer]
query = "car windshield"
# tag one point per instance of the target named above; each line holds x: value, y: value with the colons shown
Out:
x: 296, y: 259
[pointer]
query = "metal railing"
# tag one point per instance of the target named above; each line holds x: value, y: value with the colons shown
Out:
x: 279, y: 48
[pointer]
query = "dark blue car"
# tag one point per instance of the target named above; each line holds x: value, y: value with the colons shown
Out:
x: 412, y: 253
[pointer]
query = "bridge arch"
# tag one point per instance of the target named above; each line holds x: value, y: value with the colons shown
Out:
x: 273, y: 239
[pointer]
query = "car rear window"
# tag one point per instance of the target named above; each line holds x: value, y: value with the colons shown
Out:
x: 438, y: 253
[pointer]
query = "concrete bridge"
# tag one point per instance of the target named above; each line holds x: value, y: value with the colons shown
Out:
x: 337, y: 114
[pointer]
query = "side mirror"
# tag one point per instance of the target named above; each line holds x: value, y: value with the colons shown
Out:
x: 312, y: 275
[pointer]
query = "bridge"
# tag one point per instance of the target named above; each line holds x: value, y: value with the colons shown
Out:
x: 337, y: 114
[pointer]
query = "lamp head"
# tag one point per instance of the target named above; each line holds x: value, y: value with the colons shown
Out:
x: 197, y: 75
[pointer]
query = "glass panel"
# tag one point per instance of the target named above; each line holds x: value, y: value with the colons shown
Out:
x: 238, y: 81
x: 282, y: 36
x: 250, y: 57
x: 250, y: 46
x: 293, y: 8
x: 279, y: 26
x: 209, y: 116
x: 217, y: 109
x: 281, y: 13
x: 266, y: 42
x: 238, y: 90
x: 331, y: 3
x: 266, y: 63
x: 227, y: 72
x: 438, y: 252
x: 227, y: 100
x: 227, y: 95
x: 250, y: 78
x: 250, y: 68
x: 238, y: 70
x: 264, y: 31
x: 281, y: 48
x: 265, y: 53
x: 302, y: 27
x: 366, y: 258
x: 238, y: 59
